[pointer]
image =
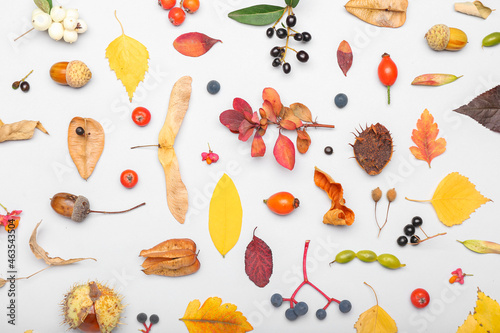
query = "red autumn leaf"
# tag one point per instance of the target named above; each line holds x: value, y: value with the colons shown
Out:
x: 284, y: 152
x: 344, y: 56
x: 267, y: 108
x: 243, y: 107
x: 258, y: 261
x: 232, y: 119
x: 272, y: 96
x: 287, y: 114
x: 258, y: 145
x: 425, y: 138
x: 194, y: 44
x: 245, y: 130
x: 302, y: 112
x: 303, y: 141
x: 288, y: 125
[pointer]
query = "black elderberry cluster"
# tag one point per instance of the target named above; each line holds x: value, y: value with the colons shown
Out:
x: 279, y: 53
x: 409, y: 231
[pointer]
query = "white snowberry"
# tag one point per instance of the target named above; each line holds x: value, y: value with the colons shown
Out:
x: 56, y: 31
x: 58, y: 13
x: 69, y: 23
x: 35, y: 12
x: 72, y: 12
x: 41, y: 22
x: 81, y: 26
x: 70, y: 36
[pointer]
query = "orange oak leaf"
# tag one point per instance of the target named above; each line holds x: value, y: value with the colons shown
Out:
x: 425, y: 138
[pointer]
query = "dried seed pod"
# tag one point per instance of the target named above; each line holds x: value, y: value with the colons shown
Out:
x: 376, y: 194
x: 391, y: 195
x: 373, y: 148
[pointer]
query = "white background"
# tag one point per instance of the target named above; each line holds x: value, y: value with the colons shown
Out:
x: 33, y: 171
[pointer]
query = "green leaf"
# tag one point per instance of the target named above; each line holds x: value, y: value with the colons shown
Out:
x: 258, y: 15
x: 44, y: 5
x: 292, y: 3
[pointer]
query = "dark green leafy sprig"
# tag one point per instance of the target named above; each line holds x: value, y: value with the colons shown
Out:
x: 260, y: 14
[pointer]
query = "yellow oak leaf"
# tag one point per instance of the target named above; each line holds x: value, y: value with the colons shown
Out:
x: 129, y: 59
x: 455, y: 199
x: 471, y: 325
x: 225, y: 215
x: 214, y: 317
x: 375, y: 320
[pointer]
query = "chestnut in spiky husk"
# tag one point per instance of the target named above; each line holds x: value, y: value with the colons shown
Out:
x: 373, y: 148
x: 92, y: 307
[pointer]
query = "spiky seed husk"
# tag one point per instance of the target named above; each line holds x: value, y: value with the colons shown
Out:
x: 438, y: 37
x: 373, y: 148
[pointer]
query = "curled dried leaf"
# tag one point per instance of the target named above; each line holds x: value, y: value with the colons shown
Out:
x: 21, y: 130
x: 302, y: 112
x: 303, y: 141
x: 475, y: 8
x: 382, y: 13
x: 338, y: 214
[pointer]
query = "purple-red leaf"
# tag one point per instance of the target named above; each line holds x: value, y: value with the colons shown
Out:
x: 303, y: 141
x: 245, y: 130
x: 232, y: 119
x: 485, y: 109
x: 284, y: 152
x: 242, y: 106
x: 267, y: 107
x: 258, y: 145
x: 272, y: 96
x: 194, y: 44
x: 258, y: 261
x: 344, y: 57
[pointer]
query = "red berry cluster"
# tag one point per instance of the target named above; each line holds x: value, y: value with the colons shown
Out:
x: 177, y: 15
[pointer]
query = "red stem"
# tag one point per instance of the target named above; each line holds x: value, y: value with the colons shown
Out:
x: 318, y: 125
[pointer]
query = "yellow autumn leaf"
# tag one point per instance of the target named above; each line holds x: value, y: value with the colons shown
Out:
x: 225, y: 215
x: 471, y: 325
x: 455, y: 199
x: 129, y: 59
x: 375, y: 320
x: 214, y: 317
x: 486, y: 317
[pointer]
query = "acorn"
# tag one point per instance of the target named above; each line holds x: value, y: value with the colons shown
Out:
x: 441, y: 37
x: 92, y: 307
x: 74, y: 73
x: 77, y: 207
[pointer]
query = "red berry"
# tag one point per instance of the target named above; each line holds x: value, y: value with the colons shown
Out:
x: 176, y: 15
x: 282, y: 203
x: 141, y: 116
x: 420, y: 298
x: 129, y: 178
x: 191, y: 6
x: 167, y: 4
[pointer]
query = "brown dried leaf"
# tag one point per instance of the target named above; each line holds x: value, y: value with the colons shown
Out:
x: 177, y: 196
x: 382, y: 13
x: 485, y: 109
x: 40, y: 253
x: 288, y: 114
x: 21, y: 130
x: 302, y: 112
x: 86, y: 149
x: 338, y: 214
x: 303, y: 141
x: 475, y: 8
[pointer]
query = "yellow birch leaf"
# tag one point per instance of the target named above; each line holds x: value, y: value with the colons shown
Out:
x: 487, y: 312
x: 225, y: 215
x: 214, y: 317
x: 129, y: 59
x: 471, y: 325
x: 455, y: 199
x: 375, y: 320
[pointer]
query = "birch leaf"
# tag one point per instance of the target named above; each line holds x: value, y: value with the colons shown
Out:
x: 21, y: 130
x: 375, y: 320
x: 129, y: 59
x: 471, y: 325
x: 225, y: 215
x: 455, y: 199
x: 475, y: 8
x: 214, y: 317
x: 425, y: 138
x: 40, y: 253
x: 486, y: 317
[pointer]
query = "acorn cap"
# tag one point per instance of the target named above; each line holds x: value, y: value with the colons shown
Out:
x: 77, y: 74
x: 81, y: 209
x: 438, y: 37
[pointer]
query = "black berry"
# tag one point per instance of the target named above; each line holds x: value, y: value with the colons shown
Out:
x: 275, y: 51
x: 298, y: 37
x: 417, y: 221
x: 291, y: 20
x: 302, y: 56
x: 287, y: 68
x: 154, y: 319
x: 270, y: 32
x: 414, y: 239
x: 281, y: 33
x: 25, y: 86
x: 409, y: 229
x: 328, y: 150
x: 402, y: 240
x: 142, y: 317
x: 80, y: 131
x: 15, y: 85
x: 276, y: 62
x: 306, y: 37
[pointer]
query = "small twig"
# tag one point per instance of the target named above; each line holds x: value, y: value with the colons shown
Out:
x: 24, y: 34
x: 157, y: 146
x: 122, y: 211
x: 421, y: 241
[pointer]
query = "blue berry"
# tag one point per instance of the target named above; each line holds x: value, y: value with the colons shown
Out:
x: 290, y: 314
x: 213, y: 87
x: 142, y: 317
x: 276, y: 300
x: 301, y: 308
x: 341, y: 100
x: 321, y: 314
x: 345, y: 306
x: 154, y: 319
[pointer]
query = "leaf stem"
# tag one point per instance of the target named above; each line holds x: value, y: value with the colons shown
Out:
x: 27, y: 277
x: 386, y: 216
x: 158, y: 146
x: 27, y: 32
x: 376, y: 298
x: 123, y: 32
x: 417, y: 200
x: 122, y: 211
x: 4, y: 208
x: 421, y: 241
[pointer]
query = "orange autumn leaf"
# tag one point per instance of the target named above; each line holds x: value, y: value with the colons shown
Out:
x: 338, y: 214
x: 425, y: 138
x: 214, y: 317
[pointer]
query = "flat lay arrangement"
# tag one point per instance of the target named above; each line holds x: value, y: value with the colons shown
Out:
x: 303, y: 149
